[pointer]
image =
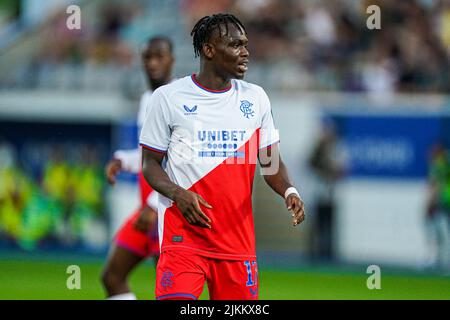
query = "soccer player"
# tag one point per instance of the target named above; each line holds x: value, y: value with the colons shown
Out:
x: 438, y: 207
x: 200, y: 146
x: 137, y: 239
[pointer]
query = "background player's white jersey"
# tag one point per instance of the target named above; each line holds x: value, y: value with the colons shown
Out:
x: 145, y: 101
x: 131, y: 159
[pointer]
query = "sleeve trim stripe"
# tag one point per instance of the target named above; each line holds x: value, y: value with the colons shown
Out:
x: 152, y: 148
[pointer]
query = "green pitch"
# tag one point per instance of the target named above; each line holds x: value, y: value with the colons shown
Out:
x: 35, y: 279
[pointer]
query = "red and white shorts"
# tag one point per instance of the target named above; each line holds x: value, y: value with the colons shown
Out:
x: 139, y: 243
x: 182, y: 275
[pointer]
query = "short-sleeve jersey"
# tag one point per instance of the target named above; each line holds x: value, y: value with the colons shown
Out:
x: 210, y: 140
x: 143, y: 103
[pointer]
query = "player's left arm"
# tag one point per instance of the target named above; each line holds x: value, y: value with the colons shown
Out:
x: 276, y: 176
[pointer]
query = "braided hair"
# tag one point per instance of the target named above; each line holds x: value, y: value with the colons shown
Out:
x: 204, y: 28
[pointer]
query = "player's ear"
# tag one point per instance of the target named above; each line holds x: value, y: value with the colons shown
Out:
x: 208, y: 50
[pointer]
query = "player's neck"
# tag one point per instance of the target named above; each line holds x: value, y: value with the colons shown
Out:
x: 211, y: 80
x: 155, y: 84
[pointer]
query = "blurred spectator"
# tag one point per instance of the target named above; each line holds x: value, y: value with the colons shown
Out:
x: 77, y: 188
x: 88, y: 187
x: 325, y: 43
x: 60, y: 206
x: 438, y: 207
x: 197, y: 9
x: 328, y: 165
x: 10, y: 11
x: 331, y: 42
x: 40, y: 216
x: 442, y: 23
x: 15, y: 190
x: 380, y: 74
x: 107, y: 46
x: 87, y: 58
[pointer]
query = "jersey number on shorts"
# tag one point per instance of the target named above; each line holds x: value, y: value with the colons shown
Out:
x: 250, y: 280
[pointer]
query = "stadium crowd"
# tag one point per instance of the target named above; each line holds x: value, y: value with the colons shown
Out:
x: 309, y: 45
x: 326, y: 44
x: 54, y: 199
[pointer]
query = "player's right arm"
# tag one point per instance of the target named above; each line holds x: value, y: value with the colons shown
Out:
x: 155, y: 139
x: 187, y: 201
x: 123, y: 160
x: 113, y: 167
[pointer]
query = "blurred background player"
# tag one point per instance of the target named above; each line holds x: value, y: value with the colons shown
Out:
x: 137, y: 239
x: 327, y: 166
x: 206, y: 217
x: 438, y: 207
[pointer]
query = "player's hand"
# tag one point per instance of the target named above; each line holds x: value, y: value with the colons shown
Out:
x: 112, y: 170
x: 145, y: 220
x: 297, y: 208
x: 188, y: 203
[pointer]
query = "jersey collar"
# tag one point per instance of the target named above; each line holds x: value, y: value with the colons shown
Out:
x: 193, y: 77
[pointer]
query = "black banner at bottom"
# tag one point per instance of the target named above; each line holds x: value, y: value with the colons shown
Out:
x: 179, y: 310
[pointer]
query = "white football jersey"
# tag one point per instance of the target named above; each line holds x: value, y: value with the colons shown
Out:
x: 144, y: 102
x: 211, y: 140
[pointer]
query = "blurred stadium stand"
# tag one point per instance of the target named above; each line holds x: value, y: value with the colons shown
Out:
x: 295, y: 45
x: 314, y: 58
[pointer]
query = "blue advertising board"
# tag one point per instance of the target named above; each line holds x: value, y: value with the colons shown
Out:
x: 389, y: 146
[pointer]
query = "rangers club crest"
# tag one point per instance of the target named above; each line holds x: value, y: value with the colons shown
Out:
x: 166, y: 280
x: 246, y: 108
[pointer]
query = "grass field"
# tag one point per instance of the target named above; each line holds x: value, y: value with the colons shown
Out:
x: 46, y: 279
